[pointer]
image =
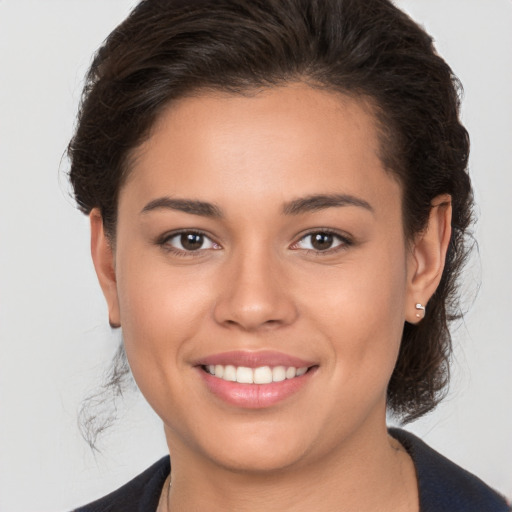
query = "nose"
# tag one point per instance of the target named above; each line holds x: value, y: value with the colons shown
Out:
x: 255, y: 294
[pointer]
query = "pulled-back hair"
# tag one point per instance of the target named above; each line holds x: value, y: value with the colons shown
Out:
x: 168, y: 49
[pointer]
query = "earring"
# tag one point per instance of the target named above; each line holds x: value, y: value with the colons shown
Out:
x: 421, y: 310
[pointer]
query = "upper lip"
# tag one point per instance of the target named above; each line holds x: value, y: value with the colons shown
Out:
x: 254, y: 359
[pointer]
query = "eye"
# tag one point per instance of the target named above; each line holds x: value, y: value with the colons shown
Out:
x: 189, y: 241
x: 321, y: 241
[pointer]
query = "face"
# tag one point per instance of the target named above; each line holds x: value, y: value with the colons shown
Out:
x: 260, y: 239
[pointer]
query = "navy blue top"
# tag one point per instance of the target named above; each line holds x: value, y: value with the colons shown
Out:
x: 443, y: 486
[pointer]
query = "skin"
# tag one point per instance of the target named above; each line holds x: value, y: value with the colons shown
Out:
x: 257, y: 284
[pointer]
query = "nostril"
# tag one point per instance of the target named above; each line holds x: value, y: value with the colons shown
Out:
x: 251, y: 306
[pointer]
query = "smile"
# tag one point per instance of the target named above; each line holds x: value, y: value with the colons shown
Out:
x: 260, y: 375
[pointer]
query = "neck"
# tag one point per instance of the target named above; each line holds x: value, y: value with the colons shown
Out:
x: 368, y: 473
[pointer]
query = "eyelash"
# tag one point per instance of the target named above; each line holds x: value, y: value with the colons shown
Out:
x: 164, y: 240
x: 345, y: 242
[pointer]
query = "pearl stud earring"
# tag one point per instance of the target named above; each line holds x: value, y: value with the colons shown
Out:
x: 421, y: 310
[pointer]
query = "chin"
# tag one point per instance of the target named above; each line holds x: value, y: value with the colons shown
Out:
x: 257, y: 460
x: 254, y: 447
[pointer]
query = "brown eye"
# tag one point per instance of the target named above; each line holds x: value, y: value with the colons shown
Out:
x: 191, y: 241
x: 321, y: 241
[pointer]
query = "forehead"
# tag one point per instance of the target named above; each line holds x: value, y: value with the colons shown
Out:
x: 279, y: 142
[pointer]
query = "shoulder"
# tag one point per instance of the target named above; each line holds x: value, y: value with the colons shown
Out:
x: 140, y: 494
x: 444, y: 486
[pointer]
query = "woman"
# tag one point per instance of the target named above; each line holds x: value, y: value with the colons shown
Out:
x: 278, y: 201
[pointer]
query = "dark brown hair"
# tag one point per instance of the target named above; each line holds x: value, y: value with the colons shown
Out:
x: 167, y: 49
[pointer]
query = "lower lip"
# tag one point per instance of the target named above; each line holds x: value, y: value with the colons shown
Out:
x: 254, y: 396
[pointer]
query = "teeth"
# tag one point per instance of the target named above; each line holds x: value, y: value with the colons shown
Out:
x: 301, y: 371
x: 278, y: 374
x: 291, y: 372
x: 261, y: 375
x: 228, y: 373
x: 244, y: 375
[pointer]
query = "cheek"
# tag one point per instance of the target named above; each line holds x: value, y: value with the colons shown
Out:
x: 161, y: 309
x: 360, y: 309
x: 161, y: 315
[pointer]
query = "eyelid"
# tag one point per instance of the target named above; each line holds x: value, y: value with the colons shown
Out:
x: 164, y: 239
x: 345, y: 239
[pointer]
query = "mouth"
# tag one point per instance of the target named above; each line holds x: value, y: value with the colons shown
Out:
x: 259, y: 375
x: 255, y: 380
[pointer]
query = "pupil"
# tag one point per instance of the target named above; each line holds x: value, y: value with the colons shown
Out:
x: 322, y: 241
x: 191, y: 241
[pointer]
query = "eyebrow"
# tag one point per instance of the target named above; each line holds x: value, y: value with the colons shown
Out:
x: 322, y: 201
x: 184, y: 205
x: 296, y: 207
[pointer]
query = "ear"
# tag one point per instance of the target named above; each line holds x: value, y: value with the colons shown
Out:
x: 427, y: 258
x: 104, y: 263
